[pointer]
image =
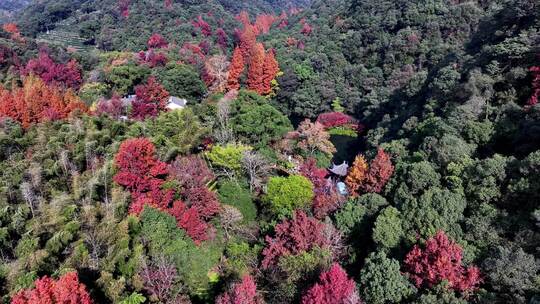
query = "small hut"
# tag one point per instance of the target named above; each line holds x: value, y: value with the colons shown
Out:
x: 340, y: 170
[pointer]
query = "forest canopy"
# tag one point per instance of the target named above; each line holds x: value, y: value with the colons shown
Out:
x: 269, y: 151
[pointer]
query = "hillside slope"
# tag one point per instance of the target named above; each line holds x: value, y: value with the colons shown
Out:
x: 433, y: 104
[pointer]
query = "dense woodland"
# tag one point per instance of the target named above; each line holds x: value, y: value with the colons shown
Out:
x: 230, y: 200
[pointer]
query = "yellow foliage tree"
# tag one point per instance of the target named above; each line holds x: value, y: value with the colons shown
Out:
x: 357, y: 174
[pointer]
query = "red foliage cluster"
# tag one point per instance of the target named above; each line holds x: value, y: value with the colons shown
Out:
x: 66, y: 290
x: 316, y: 175
x: 264, y: 22
x: 36, y: 102
x: 13, y: 29
x: 243, y: 17
x: 191, y: 172
x: 338, y: 119
x: 326, y: 198
x: 263, y: 68
x: 192, y: 53
x: 205, y: 28
x: 168, y: 4
x: 256, y: 68
x: 151, y: 99
x: 156, y: 41
x: 364, y: 180
x: 248, y: 40
x: 222, y: 38
x: 301, y: 233
x: 380, y: 171
x: 306, y: 29
x: 141, y: 173
x: 123, y: 6
x: 205, y: 47
x: 200, y: 204
x: 326, y: 203
x: 535, y: 86
x: 244, y: 292
x: 236, y: 68
x: 438, y: 260
x: 65, y: 75
x: 283, y: 20
x: 113, y: 107
x: 333, y: 287
x: 270, y: 71
x: 153, y: 59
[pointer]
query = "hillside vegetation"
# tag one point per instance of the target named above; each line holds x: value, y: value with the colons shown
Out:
x: 109, y: 196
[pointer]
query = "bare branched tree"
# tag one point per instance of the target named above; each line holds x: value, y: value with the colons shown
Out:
x: 256, y: 168
x: 230, y: 217
x: 224, y: 132
x: 34, y: 173
x: 217, y: 68
x: 160, y: 278
x: 29, y: 196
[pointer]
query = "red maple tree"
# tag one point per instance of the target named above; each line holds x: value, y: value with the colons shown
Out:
x: 222, y: 39
x: 189, y: 219
x: 151, y: 99
x: 243, y: 292
x: 152, y: 58
x: 270, y: 71
x: 306, y: 29
x: 255, y: 79
x: 123, y: 6
x: 438, y: 260
x: 299, y: 234
x: 143, y: 175
x: 203, y: 200
x: 248, y: 40
x: 191, y: 171
x: 156, y: 41
x: 205, y: 28
x: 380, y: 171
x: 264, y: 22
x: 533, y: 100
x: 168, y: 4
x: 236, y: 68
x: 66, y: 290
x: 316, y: 175
x: 243, y: 17
x: 334, y: 287
x: 338, y: 119
x: 140, y: 172
x: 113, y: 107
x: 13, y: 30
x: 64, y: 75
x: 36, y: 102
x: 326, y: 198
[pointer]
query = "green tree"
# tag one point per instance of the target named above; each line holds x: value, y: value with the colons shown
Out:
x: 233, y: 194
x: 123, y: 79
x: 436, y: 209
x: 182, y: 81
x: 512, y: 271
x: 381, y: 280
x: 286, y: 194
x: 255, y: 121
x: 228, y: 157
x: 388, y: 231
x: 193, y: 262
x: 173, y: 132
